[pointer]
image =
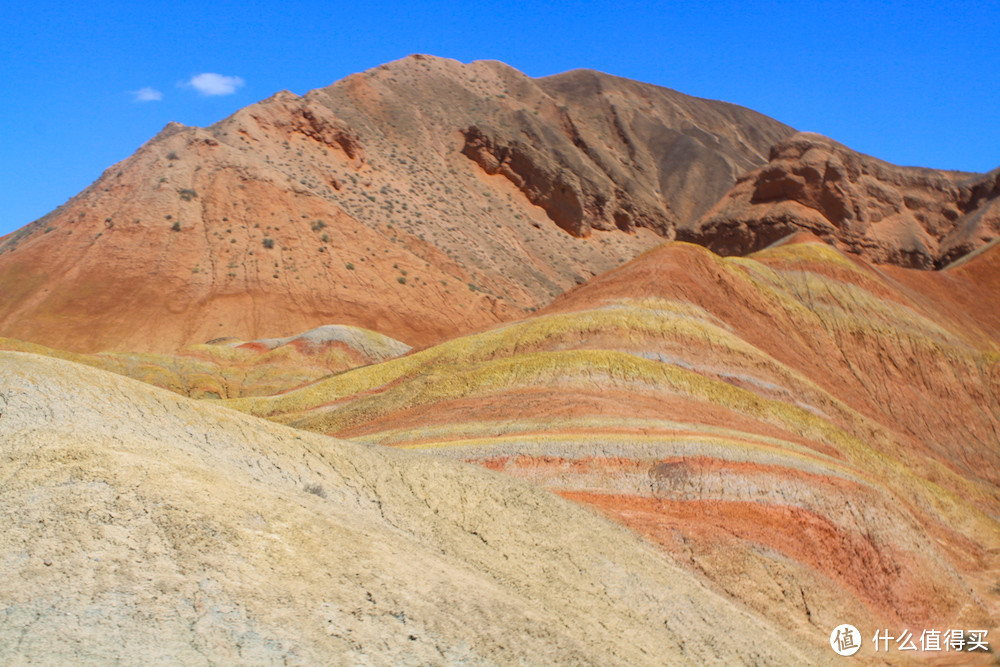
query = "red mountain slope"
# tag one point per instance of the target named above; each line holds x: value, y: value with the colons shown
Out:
x: 421, y: 199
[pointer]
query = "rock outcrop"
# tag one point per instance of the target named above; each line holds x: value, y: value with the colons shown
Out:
x: 913, y: 217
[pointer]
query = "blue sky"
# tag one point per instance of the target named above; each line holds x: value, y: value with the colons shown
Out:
x: 910, y: 82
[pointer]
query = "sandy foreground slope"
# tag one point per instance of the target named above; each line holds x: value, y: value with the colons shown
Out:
x: 141, y: 527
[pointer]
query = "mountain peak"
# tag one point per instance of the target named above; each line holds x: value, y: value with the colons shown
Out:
x: 422, y: 198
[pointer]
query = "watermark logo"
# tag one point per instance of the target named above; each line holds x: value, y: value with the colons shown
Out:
x: 845, y: 639
x: 932, y: 640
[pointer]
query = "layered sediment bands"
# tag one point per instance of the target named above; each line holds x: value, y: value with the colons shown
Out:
x: 912, y: 217
x: 358, y: 204
x: 814, y: 434
x: 231, y: 368
x: 140, y: 526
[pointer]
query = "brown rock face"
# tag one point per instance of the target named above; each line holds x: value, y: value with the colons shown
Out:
x: 641, y: 156
x: 920, y: 218
x: 421, y: 199
x: 545, y: 188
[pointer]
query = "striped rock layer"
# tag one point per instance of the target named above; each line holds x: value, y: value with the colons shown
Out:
x: 142, y: 527
x: 816, y: 435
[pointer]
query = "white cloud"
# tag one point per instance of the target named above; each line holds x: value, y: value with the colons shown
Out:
x: 215, y: 84
x: 147, y: 94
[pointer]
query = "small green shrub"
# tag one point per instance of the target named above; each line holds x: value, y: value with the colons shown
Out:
x: 350, y: 267
x: 176, y: 226
x: 187, y: 194
x: 268, y: 243
x: 316, y: 490
x: 401, y: 280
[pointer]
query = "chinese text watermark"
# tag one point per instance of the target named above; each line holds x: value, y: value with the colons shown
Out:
x: 845, y: 639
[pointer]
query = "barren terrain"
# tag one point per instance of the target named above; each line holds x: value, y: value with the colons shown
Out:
x: 444, y: 364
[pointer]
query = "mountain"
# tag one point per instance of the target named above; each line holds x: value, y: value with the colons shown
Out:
x: 815, y: 434
x: 142, y: 527
x: 908, y: 216
x: 422, y: 199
